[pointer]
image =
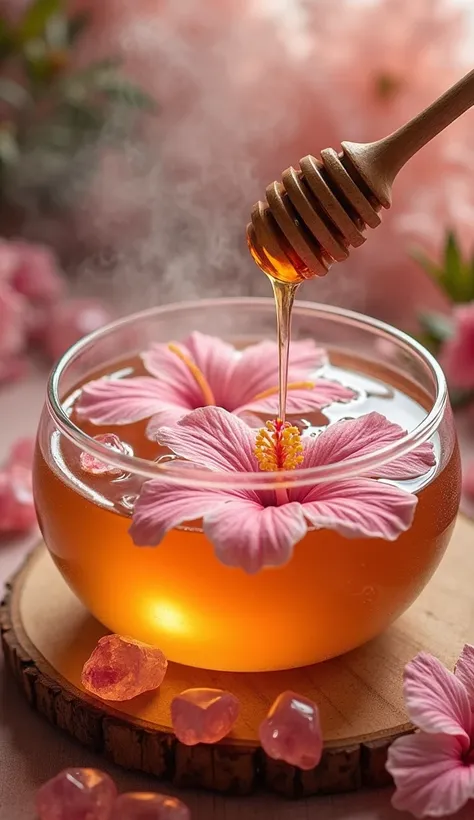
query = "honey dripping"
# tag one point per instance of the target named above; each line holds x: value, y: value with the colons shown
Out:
x: 286, y: 275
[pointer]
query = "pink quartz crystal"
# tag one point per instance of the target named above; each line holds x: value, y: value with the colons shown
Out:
x: 148, y: 806
x: 77, y: 794
x: 121, y: 668
x: 91, y: 464
x: 203, y: 715
x: 292, y: 732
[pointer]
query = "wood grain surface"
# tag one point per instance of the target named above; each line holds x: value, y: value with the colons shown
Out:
x: 47, y: 635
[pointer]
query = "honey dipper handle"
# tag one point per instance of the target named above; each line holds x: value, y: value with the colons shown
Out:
x: 379, y: 162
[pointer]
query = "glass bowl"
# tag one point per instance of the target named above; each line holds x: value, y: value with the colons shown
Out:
x: 335, y: 593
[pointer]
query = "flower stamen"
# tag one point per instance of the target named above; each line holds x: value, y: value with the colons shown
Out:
x: 199, y: 377
x: 272, y: 391
x: 278, y: 446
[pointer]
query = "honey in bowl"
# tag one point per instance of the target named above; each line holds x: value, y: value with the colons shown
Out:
x: 333, y: 595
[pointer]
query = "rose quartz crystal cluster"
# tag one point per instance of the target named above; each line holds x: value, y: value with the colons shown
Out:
x: 149, y: 806
x: 203, y: 715
x: 89, y: 794
x: 121, y: 668
x: 77, y: 794
x: 292, y: 732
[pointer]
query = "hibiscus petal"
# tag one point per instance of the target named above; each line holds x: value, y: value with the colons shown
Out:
x: 251, y: 537
x: 119, y: 401
x: 257, y: 369
x: 435, y: 699
x: 169, y: 370
x: 168, y: 415
x: 216, y: 359
x: 301, y: 400
x: 430, y: 776
x: 213, y: 438
x: 358, y: 508
x: 464, y: 671
x: 162, y: 506
x: 367, y: 434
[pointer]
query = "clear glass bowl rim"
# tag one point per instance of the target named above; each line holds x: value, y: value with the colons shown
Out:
x: 200, y: 477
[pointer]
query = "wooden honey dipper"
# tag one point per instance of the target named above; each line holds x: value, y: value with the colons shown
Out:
x: 318, y: 212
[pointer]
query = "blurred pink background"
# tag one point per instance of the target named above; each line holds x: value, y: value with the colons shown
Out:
x: 245, y: 88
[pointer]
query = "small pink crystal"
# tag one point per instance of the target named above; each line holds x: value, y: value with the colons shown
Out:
x: 292, y: 731
x: 91, y: 464
x: 121, y: 668
x: 148, y: 806
x: 203, y: 715
x: 77, y: 794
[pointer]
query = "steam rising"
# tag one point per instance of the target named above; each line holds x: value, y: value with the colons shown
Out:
x: 245, y: 88
x: 174, y: 211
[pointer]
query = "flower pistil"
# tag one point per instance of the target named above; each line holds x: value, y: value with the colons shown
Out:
x: 278, y: 446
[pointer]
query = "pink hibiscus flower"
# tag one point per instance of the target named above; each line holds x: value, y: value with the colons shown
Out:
x: 203, y: 371
x: 457, y: 356
x: 17, y: 510
x: 253, y: 529
x: 433, y: 770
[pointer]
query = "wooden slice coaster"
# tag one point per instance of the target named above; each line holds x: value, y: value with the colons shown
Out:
x: 47, y: 636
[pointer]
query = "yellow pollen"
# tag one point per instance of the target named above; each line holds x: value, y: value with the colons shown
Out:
x: 278, y: 446
x: 272, y: 391
x: 198, y: 375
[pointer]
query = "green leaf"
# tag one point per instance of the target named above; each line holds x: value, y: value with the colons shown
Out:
x: 13, y: 93
x: 453, y: 274
x: 430, y: 267
x: 123, y: 92
x: 9, y: 150
x: 36, y: 18
x: 461, y: 398
x: 6, y: 40
x: 437, y: 326
x: 77, y: 24
x: 57, y: 33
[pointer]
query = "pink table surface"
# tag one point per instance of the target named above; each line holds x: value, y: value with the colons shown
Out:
x: 31, y: 751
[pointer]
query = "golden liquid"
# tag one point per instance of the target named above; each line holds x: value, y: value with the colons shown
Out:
x: 333, y: 595
x: 284, y: 297
x: 285, y: 274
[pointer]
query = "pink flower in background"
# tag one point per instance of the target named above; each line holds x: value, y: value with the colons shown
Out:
x: 228, y: 77
x: 12, y: 321
x: 433, y: 770
x: 33, y: 271
x: 33, y: 308
x: 204, y: 370
x: 468, y: 481
x: 254, y: 529
x: 12, y: 333
x: 457, y: 355
x: 17, y: 511
x: 70, y: 320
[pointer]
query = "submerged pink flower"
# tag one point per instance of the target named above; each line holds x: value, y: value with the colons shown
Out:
x: 434, y: 769
x: 457, y: 355
x: 252, y: 529
x: 17, y: 511
x: 204, y: 371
